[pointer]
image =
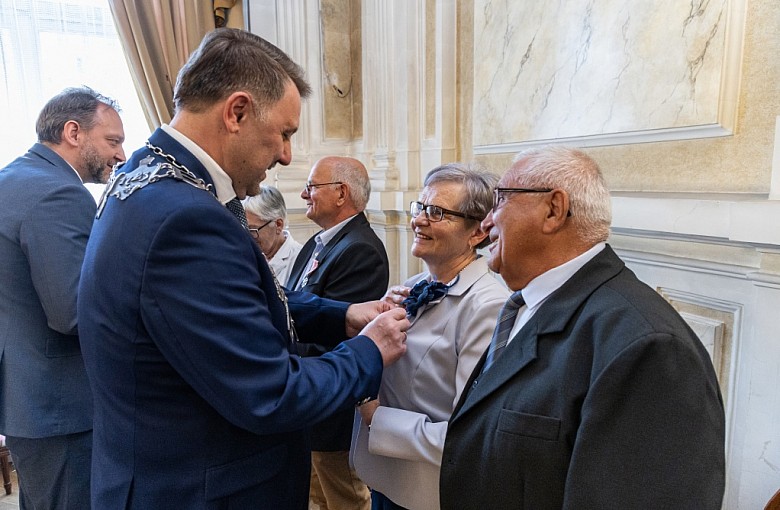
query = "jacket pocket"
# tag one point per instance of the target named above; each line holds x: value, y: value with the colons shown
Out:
x: 529, y: 425
x: 227, y: 479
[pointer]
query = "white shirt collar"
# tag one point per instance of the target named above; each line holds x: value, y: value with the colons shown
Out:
x: 541, y: 287
x: 223, y: 184
x: 326, y: 235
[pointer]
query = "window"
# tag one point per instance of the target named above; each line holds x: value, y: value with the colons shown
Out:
x: 49, y: 45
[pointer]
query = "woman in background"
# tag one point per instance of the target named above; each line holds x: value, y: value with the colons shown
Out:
x: 266, y: 214
x: 453, y: 308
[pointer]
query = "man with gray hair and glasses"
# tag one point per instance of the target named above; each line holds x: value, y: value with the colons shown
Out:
x: 594, y: 392
x: 347, y: 261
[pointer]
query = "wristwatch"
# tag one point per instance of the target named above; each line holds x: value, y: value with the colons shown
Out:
x: 365, y: 401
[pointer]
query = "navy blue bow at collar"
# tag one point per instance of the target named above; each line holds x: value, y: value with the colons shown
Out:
x: 423, y: 293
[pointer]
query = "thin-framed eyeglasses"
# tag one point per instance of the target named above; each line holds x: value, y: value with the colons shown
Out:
x: 435, y: 213
x: 255, y: 232
x: 500, y: 195
x: 309, y: 186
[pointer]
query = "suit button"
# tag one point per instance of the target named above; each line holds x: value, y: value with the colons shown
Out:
x: 474, y: 384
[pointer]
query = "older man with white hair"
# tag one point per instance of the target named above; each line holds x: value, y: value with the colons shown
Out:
x: 594, y: 393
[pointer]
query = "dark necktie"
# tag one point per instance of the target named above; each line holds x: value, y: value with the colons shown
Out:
x: 506, y: 319
x: 423, y: 293
x: 234, y: 205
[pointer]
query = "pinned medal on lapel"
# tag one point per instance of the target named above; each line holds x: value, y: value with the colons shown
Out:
x: 314, y: 264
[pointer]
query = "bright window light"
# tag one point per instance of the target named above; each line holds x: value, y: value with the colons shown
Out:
x: 49, y: 45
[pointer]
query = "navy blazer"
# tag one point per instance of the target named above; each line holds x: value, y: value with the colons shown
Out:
x: 45, y: 220
x: 352, y: 267
x: 604, y: 399
x: 200, y: 402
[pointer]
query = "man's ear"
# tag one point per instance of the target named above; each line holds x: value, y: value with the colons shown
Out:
x: 70, y: 133
x: 237, y: 109
x: 343, y: 193
x: 558, y: 210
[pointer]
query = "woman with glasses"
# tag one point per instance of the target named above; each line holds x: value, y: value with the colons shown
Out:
x: 397, y: 446
x: 266, y: 214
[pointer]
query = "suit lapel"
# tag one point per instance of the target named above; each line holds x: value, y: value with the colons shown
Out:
x: 302, y: 262
x: 516, y: 356
x: 552, y: 317
x: 351, y: 225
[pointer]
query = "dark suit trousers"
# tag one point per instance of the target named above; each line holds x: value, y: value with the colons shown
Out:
x: 53, y: 472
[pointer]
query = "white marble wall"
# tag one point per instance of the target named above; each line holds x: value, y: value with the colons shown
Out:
x: 574, y: 69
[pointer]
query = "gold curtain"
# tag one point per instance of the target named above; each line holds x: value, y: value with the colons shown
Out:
x: 158, y: 37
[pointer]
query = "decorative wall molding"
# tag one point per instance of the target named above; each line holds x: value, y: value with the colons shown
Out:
x: 718, y: 323
x: 624, y: 138
x: 728, y: 217
x: 607, y: 80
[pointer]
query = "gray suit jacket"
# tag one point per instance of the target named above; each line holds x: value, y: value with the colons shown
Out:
x: 401, y: 455
x: 45, y: 221
x: 605, y: 399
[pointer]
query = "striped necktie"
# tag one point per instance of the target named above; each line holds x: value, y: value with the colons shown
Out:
x: 506, y: 320
x: 234, y: 205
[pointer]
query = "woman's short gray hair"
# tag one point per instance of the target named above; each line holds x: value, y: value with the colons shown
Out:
x: 267, y: 205
x: 573, y: 171
x: 478, y: 186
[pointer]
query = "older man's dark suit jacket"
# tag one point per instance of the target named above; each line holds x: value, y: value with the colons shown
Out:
x: 605, y: 399
x: 352, y: 267
x: 200, y: 402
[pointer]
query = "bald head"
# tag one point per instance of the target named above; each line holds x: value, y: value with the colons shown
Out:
x: 338, y: 188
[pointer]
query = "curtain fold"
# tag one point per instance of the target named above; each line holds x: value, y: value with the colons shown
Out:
x: 157, y: 38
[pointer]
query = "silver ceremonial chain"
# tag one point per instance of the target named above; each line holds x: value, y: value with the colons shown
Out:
x: 279, y: 291
x: 172, y: 160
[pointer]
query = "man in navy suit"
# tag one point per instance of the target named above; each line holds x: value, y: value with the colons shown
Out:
x: 188, y: 339
x: 344, y: 261
x: 603, y: 397
x: 45, y: 220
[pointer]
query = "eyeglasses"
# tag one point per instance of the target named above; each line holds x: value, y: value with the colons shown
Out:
x: 255, y: 232
x: 308, y: 186
x: 435, y: 213
x: 500, y: 195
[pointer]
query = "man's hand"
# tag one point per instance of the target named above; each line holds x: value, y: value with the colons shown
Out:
x: 388, y: 331
x: 360, y: 314
x: 396, y: 294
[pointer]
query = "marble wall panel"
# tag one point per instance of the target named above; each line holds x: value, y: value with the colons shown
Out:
x: 552, y: 70
x: 341, y: 60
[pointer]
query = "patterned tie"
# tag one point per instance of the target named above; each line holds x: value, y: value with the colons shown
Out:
x: 506, y: 319
x: 234, y: 205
